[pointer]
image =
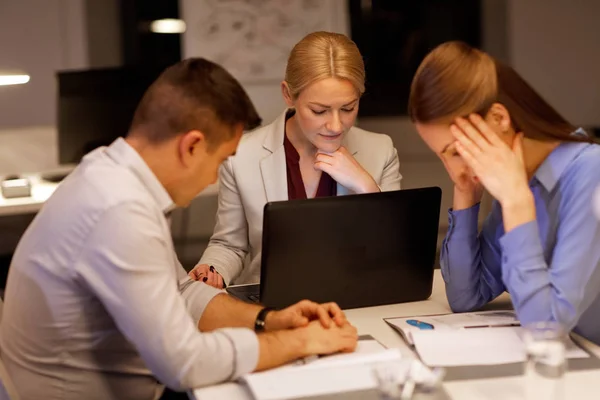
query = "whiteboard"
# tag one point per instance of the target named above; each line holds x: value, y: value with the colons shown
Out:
x: 252, y: 39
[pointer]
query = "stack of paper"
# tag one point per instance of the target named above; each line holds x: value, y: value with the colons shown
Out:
x: 338, y: 373
x: 318, y: 379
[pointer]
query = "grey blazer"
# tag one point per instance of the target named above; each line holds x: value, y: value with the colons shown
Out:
x: 257, y: 175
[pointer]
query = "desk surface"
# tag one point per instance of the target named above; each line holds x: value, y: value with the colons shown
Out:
x: 41, y: 190
x: 579, y: 385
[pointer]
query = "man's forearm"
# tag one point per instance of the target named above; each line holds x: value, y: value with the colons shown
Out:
x: 280, y: 347
x: 224, y: 311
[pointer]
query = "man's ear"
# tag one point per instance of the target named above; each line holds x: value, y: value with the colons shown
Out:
x: 190, y: 145
x: 287, y: 94
x: 499, y: 119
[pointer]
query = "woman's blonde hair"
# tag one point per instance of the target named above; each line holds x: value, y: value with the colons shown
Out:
x: 321, y: 55
x: 456, y: 79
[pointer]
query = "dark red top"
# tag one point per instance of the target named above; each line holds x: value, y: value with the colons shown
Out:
x: 327, y: 186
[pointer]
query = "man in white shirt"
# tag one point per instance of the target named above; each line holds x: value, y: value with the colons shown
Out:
x: 97, y: 304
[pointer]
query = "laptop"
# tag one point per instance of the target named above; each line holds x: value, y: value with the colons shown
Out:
x: 357, y: 250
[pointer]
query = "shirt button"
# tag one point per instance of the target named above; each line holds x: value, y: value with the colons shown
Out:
x: 504, y: 259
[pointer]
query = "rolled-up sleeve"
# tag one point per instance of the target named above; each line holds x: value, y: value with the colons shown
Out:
x: 196, y: 295
x: 244, y: 344
x: 129, y: 266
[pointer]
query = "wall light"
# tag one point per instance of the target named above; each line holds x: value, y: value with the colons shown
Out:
x: 167, y: 26
x: 13, y: 79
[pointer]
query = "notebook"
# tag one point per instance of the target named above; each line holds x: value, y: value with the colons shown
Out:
x: 467, y: 339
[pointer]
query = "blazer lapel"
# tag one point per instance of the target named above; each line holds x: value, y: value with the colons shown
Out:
x: 274, y: 175
x: 273, y: 167
x: 350, y: 144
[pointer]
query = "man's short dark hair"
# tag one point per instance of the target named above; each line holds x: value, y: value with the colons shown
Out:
x: 194, y: 94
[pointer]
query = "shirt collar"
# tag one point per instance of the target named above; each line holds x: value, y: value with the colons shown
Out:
x: 550, y: 171
x: 122, y: 153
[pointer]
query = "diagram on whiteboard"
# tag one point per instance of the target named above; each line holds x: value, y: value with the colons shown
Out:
x: 251, y: 38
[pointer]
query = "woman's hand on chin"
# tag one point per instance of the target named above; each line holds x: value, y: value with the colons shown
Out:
x: 345, y: 170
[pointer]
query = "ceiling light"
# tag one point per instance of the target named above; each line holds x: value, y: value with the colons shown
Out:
x: 167, y: 26
x: 13, y: 79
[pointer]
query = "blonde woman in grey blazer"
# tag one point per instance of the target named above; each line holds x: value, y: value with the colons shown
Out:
x: 312, y: 149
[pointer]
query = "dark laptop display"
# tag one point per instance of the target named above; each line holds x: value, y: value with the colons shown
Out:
x: 357, y: 250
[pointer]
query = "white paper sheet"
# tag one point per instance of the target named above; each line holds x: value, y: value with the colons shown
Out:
x: 476, y: 319
x: 363, y: 355
x: 486, y: 346
x: 364, y: 346
x: 469, y: 347
x: 306, y: 382
x: 334, y: 374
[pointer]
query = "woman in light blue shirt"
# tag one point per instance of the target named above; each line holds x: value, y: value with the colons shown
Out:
x: 541, y: 242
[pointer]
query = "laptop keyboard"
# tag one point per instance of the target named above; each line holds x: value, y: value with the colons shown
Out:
x: 249, y: 293
x: 254, y: 297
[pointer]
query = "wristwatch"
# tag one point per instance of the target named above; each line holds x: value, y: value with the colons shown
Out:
x: 259, y: 324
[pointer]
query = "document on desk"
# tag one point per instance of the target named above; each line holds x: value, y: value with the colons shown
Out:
x: 449, y: 322
x: 480, y: 338
x: 469, y: 347
x: 340, y: 373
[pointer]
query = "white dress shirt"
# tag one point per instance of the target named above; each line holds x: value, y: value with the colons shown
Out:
x: 97, y: 304
x: 597, y: 203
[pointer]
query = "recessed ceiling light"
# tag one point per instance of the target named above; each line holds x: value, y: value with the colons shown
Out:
x: 167, y: 26
x: 13, y: 79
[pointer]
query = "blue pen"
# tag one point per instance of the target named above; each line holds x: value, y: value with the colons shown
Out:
x: 419, y: 324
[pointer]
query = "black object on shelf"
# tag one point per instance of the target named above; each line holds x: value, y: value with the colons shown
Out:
x: 96, y: 106
x: 55, y: 178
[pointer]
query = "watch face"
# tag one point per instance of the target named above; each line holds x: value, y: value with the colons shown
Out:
x: 259, y: 324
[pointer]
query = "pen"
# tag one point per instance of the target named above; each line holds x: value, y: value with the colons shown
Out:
x: 492, y: 326
x: 419, y: 324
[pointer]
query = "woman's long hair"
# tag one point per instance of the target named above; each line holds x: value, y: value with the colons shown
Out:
x: 456, y: 79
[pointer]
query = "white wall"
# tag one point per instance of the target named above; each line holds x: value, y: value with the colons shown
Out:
x: 39, y: 38
x: 555, y: 45
x: 103, y: 28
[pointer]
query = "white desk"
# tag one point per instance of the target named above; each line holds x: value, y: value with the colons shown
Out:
x: 41, y: 191
x: 579, y: 385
